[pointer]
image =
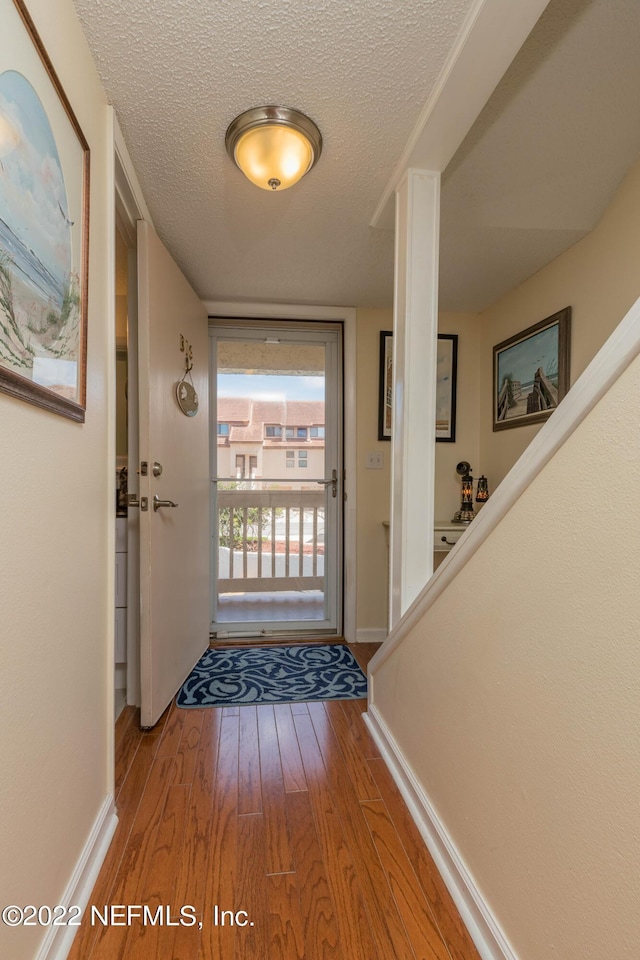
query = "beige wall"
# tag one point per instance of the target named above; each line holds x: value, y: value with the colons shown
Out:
x: 598, y: 278
x: 56, y: 656
x: 373, y: 486
x: 467, y: 442
x: 519, y: 712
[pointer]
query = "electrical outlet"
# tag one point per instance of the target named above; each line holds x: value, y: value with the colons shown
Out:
x: 375, y: 461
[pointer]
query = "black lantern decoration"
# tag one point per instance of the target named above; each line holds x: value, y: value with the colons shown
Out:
x: 466, y: 513
x: 482, y: 493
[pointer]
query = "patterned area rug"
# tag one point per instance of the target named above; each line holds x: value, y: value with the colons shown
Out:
x: 247, y: 675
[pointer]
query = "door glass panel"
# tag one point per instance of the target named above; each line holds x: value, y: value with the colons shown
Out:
x: 271, y: 509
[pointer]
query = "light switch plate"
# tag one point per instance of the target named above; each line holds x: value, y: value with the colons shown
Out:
x: 375, y: 461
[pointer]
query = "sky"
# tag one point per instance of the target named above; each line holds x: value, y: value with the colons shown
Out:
x: 265, y: 387
x: 522, y: 360
x: 33, y: 199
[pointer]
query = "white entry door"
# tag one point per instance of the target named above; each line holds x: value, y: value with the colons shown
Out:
x: 173, y: 482
x: 277, y: 478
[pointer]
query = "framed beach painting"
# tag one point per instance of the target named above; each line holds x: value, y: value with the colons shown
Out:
x: 447, y: 364
x: 531, y: 372
x: 44, y: 226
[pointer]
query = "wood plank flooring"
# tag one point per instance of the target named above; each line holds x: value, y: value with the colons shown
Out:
x: 286, y: 813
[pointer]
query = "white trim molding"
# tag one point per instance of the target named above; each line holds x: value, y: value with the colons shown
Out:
x: 476, y: 914
x: 371, y: 634
x: 58, y: 940
x: 346, y: 315
x: 622, y: 347
x: 415, y: 339
x: 127, y: 185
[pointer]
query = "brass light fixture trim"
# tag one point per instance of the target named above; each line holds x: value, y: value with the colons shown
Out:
x: 261, y: 163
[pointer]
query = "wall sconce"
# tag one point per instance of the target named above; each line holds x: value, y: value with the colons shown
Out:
x: 466, y: 513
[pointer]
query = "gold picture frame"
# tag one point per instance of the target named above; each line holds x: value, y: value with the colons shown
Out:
x: 44, y: 226
x: 531, y: 372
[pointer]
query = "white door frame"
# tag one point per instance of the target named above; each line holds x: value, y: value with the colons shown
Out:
x: 329, y: 337
x: 347, y: 316
x: 130, y: 207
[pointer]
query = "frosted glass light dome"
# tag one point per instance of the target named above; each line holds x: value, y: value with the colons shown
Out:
x: 273, y: 146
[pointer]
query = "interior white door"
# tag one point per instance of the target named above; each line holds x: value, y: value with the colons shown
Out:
x: 173, y: 467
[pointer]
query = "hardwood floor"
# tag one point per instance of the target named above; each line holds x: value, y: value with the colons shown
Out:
x: 284, y: 812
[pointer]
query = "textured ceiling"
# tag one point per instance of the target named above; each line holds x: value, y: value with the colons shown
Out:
x: 531, y: 178
x: 177, y: 73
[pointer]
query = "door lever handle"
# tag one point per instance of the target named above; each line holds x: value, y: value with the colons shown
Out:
x: 157, y: 503
x: 333, y: 483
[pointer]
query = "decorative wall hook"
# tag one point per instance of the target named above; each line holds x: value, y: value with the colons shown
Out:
x: 185, y: 391
x: 187, y: 349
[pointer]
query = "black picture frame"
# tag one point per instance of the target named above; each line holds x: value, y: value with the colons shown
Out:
x: 385, y: 385
x: 446, y: 388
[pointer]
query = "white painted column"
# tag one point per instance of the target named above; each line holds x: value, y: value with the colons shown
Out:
x: 415, y: 340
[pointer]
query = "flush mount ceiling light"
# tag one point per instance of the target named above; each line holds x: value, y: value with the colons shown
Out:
x: 273, y: 146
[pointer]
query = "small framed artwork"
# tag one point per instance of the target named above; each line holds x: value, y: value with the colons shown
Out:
x: 447, y: 367
x: 446, y: 383
x: 385, y: 397
x: 531, y: 372
x: 44, y: 226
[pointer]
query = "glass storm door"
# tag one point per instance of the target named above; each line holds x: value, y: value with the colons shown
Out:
x: 276, y: 478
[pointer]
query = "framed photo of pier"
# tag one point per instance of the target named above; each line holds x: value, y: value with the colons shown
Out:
x: 531, y: 372
x: 44, y: 226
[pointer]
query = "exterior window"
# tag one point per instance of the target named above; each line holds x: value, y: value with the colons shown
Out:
x: 239, y: 466
x: 302, y: 458
x: 223, y: 429
x: 271, y: 430
x: 301, y: 433
x: 289, y: 432
x: 253, y: 466
x: 317, y: 433
x: 291, y: 458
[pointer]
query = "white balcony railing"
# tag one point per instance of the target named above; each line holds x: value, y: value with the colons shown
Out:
x: 270, y: 540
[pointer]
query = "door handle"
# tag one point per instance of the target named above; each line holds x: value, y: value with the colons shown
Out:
x: 333, y: 483
x: 157, y: 503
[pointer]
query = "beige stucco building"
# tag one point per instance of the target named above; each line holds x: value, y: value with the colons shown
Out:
x: 270, y: 439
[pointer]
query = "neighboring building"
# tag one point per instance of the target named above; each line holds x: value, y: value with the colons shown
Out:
x: 270, y: 439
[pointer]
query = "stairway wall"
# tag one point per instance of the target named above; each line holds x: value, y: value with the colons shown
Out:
x: 514, y: 700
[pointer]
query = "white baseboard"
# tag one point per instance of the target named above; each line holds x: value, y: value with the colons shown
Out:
x: 58, y: 940
x: 371, y: 635
x: 483, y: 928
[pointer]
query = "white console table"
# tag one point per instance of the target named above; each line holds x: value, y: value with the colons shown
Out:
x: 446, y: 535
